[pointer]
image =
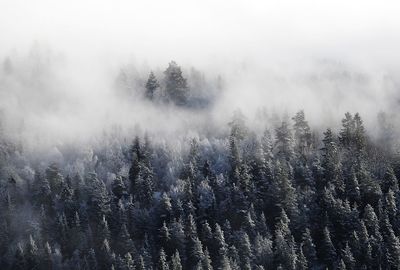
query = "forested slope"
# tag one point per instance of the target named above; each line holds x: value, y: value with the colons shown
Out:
x: 283, y: 199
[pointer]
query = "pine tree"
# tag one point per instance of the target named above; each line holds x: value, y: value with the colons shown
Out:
x: 141, y: 264
x: 331, y: 163
x: 393, y: 249
x: 165, y: 207
x: 267, y: 146
x: 129, y: 262
x: 302, y: 134
x: 118, y: 187
x: 347, y: 131
x: 348, y: 258
x: 353, y: 188
x: 124, y: 242
x: 151, y: 86
x: 239, y: 130
x: 359, y: 133
x: 224, y: 263
x: 107, y: 257
x: 220, y: 246
x: 162, y: 261
x: 207, y: 261
x: 263, y: 253
x: 244, y: 248
x: 176, y: 261
x: 43, y: 194
x: 195, y: 251
x: 342, y: 265
x: 175, y: 84
x: 103, y: 232
x: 178, y: 237
x: 390, y: 181
x: 282, y: 193
x: 54, y: 177
x: 165, y: 238
x: 92, y: 260
x: 206, y: 235
x: 31, y: 254
x: 328, y: 249
x: 47, y: 260
x: 284, y: 245
x: 308, y: 247
x: 145, y: 186
x: 284, y: 142
x: 371, y: 220
x: 19, y: 259
x: 302, y: 263
x: 365, y: 245
x: 98, y: 198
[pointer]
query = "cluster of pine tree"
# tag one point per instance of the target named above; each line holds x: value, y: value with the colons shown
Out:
x: 176, y: 89
x: 282, y: 200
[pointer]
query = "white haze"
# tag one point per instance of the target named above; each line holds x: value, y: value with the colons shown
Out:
x: 326, y: 57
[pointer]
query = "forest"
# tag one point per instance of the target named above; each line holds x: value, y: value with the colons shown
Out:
x: 285, y: 197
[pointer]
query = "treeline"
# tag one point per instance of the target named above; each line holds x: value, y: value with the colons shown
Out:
x: 170, y: 86
x: 280, y: 200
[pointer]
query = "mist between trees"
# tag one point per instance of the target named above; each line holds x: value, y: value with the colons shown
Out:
x: 178, y: 168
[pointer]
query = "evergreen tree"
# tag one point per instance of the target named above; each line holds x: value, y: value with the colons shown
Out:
x: 19, y: 262
x: 342, y: 265
x: 347, y: 257
x: 390, y: 181
x: 331, y: 163
x: 43, y: 193
x: 54, y: 177
x: 328, y: 250
x: 392, y: 249
x: 176, y: 261
x: 162, y: 262
x: 92, y: 260
x: 176, y: 87
x: 302, y: 134
x: 308, y: 247
x: 118, y: 188
x: 263, y: 253
x: 32, y: 254
x: 347, y: 132
x: 141, y: 264
x: 206, y: 263
x: 245, y: 251
x: 284, y: 245
x: 47, y: 260
x: 302, y: 263
x: 98, y: 198
x: 124, y: 242
x: 151, y: 86
x: 165, y: 238
x: 284, y: 142
x: 282, y: 193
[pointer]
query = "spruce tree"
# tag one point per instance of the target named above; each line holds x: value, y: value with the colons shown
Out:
x: 328, y: 250
x: 302, y: 134
x: 176, y: 261
x: 151, y: 86
x: 176, y: 87
x: 162, y: 261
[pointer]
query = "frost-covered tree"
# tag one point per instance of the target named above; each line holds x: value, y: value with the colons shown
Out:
x: 176, y: 87
x: 151, y: 86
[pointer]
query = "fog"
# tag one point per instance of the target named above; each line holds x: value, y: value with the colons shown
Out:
x: 61, y: 60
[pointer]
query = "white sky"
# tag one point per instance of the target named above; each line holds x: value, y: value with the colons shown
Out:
x: 194, y: 31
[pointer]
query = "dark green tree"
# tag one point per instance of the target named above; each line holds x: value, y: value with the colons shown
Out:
x: 176, y: 87
x: 151, y: 86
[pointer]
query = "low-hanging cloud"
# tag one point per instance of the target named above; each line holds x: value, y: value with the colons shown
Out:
x: 61, y: 61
